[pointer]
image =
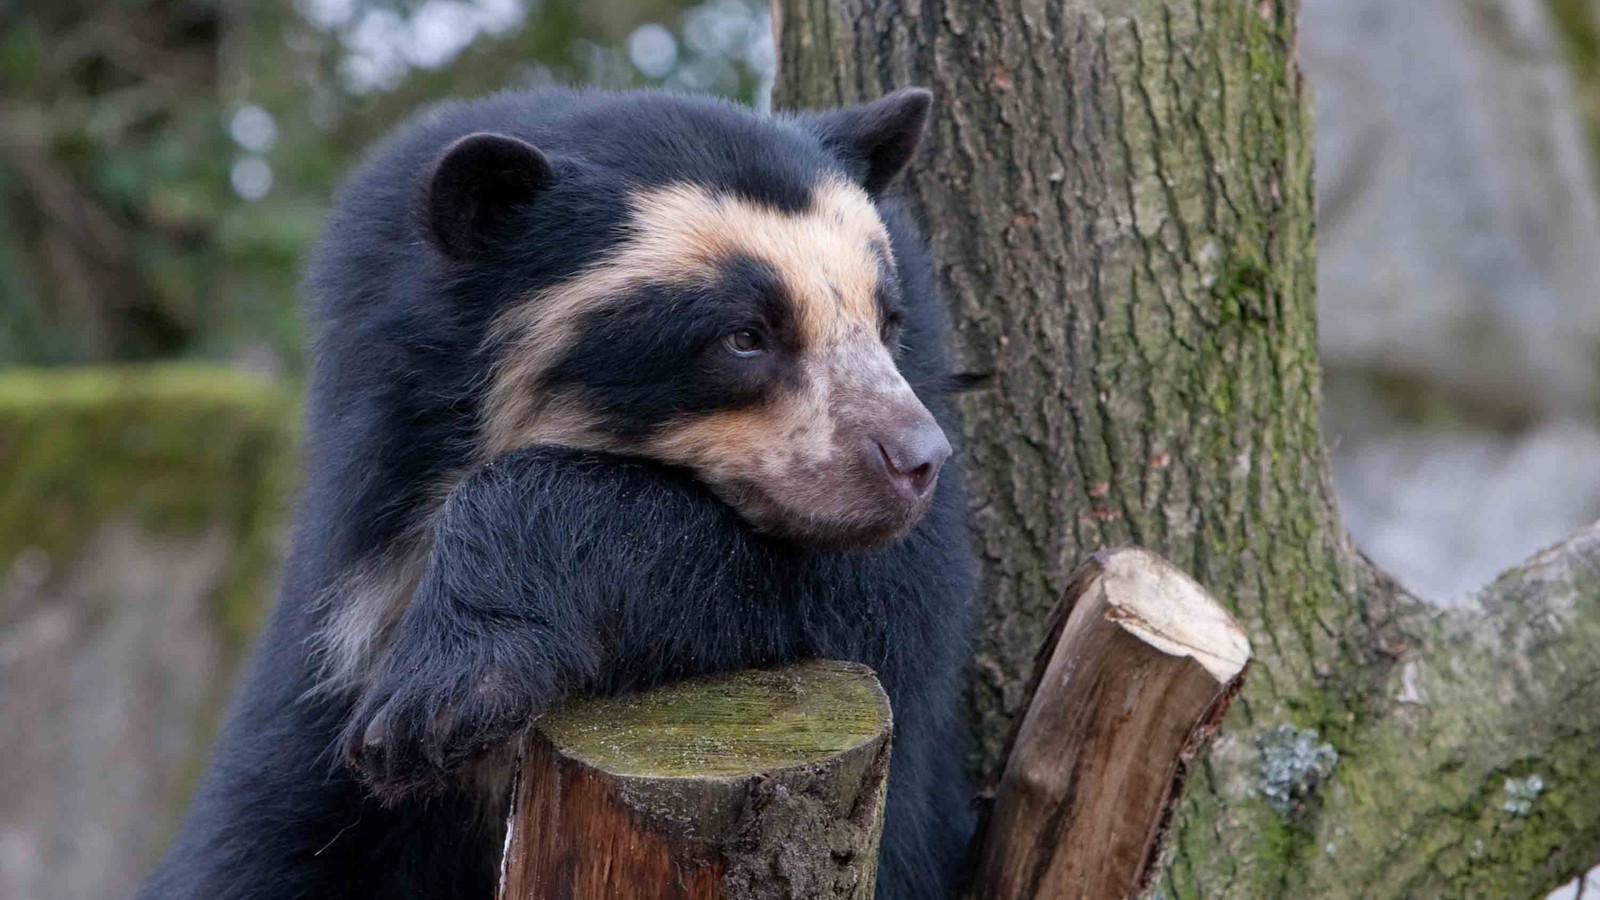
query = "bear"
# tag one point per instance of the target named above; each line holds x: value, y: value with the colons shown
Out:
x: 608, y: 389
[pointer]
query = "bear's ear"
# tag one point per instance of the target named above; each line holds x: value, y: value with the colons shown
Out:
x: 475, y: 186
x: 877, y: 138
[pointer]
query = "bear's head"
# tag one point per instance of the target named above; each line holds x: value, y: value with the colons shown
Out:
x: 709, y: 289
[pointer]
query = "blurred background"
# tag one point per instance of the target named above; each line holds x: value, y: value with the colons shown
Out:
x: 164, y: 166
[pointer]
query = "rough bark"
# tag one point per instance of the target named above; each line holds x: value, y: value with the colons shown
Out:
x: 1119, y: 194
x: 763, y: 785
x: 1140, y: 666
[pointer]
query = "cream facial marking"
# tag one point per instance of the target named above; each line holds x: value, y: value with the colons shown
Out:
x: 844, y: 384
x: 796, y: 464
x: 829, y: 258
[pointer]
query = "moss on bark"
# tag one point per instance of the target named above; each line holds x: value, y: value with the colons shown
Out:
x: 755, y: 721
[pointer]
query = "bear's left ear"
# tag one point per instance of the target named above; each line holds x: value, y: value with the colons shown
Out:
x: 476, y: 185
x: 877, y: 138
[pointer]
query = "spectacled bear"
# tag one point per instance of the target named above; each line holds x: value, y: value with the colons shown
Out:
x: 608, y: 389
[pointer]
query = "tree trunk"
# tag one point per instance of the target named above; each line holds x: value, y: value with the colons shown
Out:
x: 1140, y: 667
x: 1119, y: 195
x: 762, y: 785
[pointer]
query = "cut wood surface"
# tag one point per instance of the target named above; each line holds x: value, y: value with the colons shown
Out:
x: 1140, y: 665
x: 761, y: 785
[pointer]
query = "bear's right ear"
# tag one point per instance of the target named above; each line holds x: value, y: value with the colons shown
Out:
x: 476, y: 185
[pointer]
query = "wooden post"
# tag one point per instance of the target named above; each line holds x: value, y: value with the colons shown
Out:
x: 761, y: 785
x: 1138, y: 669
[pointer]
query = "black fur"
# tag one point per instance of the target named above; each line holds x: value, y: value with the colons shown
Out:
x: 876, y: 140
x: 631, y: 365
x: 474, y: 189
x: 552, y: 571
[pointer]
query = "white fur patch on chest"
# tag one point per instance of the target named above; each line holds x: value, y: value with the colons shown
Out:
x: 363, y: 610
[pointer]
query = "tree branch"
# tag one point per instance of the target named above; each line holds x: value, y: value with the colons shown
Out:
x: 1482, y: 778
x: 1137, y: 672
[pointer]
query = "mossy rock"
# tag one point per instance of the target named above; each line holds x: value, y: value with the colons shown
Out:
x: 175, y: 448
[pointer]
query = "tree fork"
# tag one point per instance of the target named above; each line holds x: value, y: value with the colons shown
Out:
x: 761, y: 785
x: 1119, y: 196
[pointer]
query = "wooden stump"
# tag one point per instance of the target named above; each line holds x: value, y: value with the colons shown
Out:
x: 761, y: 785
x: 1140, y: 665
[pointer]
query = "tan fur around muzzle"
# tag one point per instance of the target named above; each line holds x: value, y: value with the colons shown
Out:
x: 803, y: 464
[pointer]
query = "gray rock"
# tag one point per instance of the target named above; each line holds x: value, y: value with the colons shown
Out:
x: 1459, y: 282
x: 1459, y: 224
x: 1448, y: 510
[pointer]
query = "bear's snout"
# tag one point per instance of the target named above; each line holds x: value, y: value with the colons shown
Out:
x: 909, y: 457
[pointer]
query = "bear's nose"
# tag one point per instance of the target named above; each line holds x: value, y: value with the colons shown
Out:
x: 912, y: 456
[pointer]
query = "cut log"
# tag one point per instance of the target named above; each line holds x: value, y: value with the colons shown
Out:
x: 761, y: 785
x: 1138, y: 669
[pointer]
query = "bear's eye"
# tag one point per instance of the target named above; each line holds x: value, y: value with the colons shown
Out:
x: 745, y: 342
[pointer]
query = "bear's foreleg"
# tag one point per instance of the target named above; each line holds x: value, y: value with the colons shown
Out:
x: 549, y: 568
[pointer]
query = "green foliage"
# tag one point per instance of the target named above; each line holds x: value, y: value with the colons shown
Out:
x: 164, y: 164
